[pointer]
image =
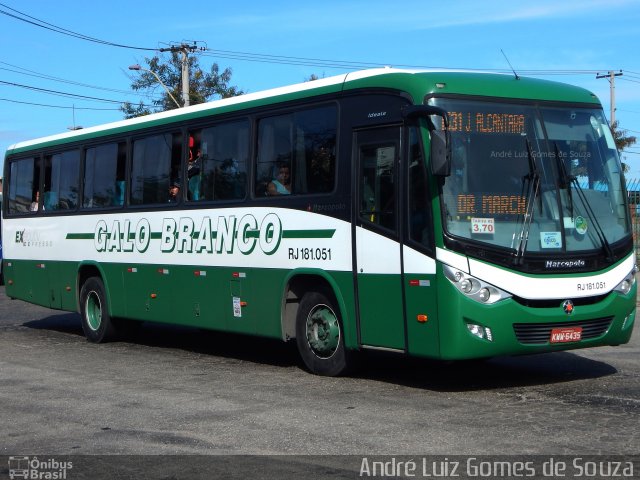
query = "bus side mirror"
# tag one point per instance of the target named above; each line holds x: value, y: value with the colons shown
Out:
x: 440, y: 139
x: 440, y: 159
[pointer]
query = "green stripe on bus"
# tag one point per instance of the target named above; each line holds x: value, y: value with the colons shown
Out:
x: 328, y: 233
x: 80, y: 236
x: 308, y: 233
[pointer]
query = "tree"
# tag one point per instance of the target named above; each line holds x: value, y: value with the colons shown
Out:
x: 313, y: 77
x: 203, y: 86
x: 622, y: 141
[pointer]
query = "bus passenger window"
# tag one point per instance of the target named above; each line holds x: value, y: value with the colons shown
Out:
x: 104, y: 173
x: 61, y: 181
x: 155, y: 166
x: 299, y: 150
x: 222, y: 154
x: 23, y: 185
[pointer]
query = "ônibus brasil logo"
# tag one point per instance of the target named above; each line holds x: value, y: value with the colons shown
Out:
x: 182, y: 235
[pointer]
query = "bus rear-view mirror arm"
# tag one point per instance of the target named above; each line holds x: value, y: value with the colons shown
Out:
x: 440, y: 140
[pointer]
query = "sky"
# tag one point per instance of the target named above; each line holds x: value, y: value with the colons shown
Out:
x: 279, y: 42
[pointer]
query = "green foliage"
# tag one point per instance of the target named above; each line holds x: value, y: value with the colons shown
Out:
x: 203, y: 86
x: 622, y: 140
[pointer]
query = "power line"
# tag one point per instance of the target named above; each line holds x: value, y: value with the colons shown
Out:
x: 56, y: 106
x: 23, y: 17
x: 32, y: 73
x: 56, y: 92
x: 357, y: 65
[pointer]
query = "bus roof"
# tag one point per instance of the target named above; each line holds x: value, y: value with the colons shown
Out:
x: 418, y: 83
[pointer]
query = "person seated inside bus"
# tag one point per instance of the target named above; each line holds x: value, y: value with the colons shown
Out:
x: 34, y: 205
x: 118, y: 198
x: 281, y: 185
x: 194, y: 167
x: 193, y: 175
x: 174, y: 191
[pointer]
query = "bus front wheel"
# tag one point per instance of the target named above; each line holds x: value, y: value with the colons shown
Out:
x: 319, y: 335
x: 96, y: 321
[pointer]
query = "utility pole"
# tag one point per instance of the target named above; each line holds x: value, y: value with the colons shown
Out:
x: 611, y: 75
x: 184, y: 49
x: 185, y: 76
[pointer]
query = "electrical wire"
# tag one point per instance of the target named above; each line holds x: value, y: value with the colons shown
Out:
x: 63, y: 94
x: 23, y: 17
x: 56, y: 106
x: 32, y: 73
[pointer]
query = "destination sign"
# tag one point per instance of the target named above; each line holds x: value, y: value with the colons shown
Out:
x: 469, y: 204
x: 486, y: 122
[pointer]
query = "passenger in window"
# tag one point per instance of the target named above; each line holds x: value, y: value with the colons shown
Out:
x: 281, y: 185
x: 174, y: 191
x: 193, y: 175
x: 34, y: 205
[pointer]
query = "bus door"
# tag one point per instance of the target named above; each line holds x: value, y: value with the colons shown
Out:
x: 378, y: 261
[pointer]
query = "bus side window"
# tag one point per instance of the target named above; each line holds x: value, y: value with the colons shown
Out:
x: 62, y: 181
x: 274, y: 151
x: 302, y: 143
x: 155, y: 167
x: 23, y: 185
x: 419, y: 204
x: 104, y: 183
x: 220, y: 172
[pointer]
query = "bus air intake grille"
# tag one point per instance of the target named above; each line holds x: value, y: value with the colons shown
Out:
x: 540, y: 333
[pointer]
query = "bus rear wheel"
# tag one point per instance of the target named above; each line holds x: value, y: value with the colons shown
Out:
x: 96, y: 321
x: 319, y: 335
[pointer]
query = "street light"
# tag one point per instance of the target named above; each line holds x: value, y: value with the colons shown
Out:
x: 138, y: 67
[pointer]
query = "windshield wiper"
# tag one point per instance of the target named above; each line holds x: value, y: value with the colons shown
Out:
x: 599, y: 232
x: 566, y: 181
x: 532, y: 181
x: 565, y: 178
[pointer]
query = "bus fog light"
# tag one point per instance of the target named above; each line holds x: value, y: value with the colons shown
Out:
x: 488, y: 334
x: 629, y: 320
x: 476, y: 330
x: 458, y: 276
x: 466, y: 285
x: 484, y: 294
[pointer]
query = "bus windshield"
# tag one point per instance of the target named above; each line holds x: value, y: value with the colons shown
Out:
x: 543, y: 179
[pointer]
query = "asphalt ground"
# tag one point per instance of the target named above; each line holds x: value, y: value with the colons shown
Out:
x: 182, y: 391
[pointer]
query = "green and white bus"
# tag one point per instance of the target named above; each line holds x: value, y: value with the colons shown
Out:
x: 451, y: 215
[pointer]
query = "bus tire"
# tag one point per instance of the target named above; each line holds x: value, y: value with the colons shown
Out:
x: 96, y: 321
x: 319, y: 335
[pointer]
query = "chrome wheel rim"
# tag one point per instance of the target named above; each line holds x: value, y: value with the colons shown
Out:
x: 323, y: 331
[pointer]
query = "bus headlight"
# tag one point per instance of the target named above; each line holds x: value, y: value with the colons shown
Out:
x: 484, y: 294
x: 466, y: 285
x: 478, y: 290
x: 629, y: 281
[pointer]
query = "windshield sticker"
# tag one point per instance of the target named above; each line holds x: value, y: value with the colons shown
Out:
x: 581, y: 225
x: 482, y: 225
x: 550, y: 240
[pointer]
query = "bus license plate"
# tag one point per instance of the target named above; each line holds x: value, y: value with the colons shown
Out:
x: 564, y: 335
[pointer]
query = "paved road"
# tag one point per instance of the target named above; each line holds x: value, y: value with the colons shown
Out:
x: 184, y: 391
